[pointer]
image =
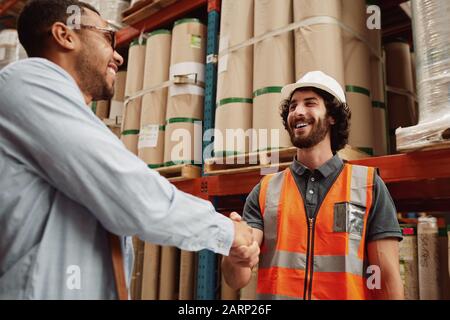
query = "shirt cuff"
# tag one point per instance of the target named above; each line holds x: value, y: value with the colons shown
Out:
x: 384, y: 235
x: 225, y: 235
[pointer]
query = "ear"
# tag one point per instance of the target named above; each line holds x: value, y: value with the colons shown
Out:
x: 63, y: 36
x: 331, y: 121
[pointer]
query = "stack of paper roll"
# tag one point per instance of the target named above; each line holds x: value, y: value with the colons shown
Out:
x: 358, y: 76
x: 249, y: 291
x: 183, y: 138
x: 273, y: 68
x: 428, y: 251
x: 116, y: 106
x: 153, y: 115
x: 380, y: 130
x: 132, y: 112
x: 401, y: 105
x: 319, y: 46
x: 150, y: 271
x: 187, y: 275
x: 169, y: 273
x: 409, y: 264
x: 235, y: 78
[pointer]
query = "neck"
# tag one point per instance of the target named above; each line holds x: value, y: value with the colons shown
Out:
x: 316, y: 156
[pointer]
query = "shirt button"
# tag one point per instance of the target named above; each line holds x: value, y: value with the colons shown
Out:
x: 312, y: 179
x: 311, y: 192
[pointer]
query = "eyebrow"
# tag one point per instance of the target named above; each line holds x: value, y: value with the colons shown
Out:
x: 311, y: 99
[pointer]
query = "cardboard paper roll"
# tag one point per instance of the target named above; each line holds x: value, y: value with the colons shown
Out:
x: 235, y: 70
x: 187, y: 275
x: 358, y: 76
x: 249, y: 291
x: 183, y: 142
x: 408, y: 263
x: 132, y: 112
x: 268, y: 124
x: 151, y: 145
x: 273, y: 69
x: 185, y: 101
x: 354, y: 16
x: 157, y: 65
x: 226, y: 292
x: 116, y: 107
x: 153, y: 114
x: 428, y: 251
x: 238, y: 139
x: 169, y: 273
x: 150, y: 271
x: 401, y: 107
x: 319, y: 47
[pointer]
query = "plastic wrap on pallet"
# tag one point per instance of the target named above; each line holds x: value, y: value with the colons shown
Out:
x: 432, y: 44
x: 10, y: 48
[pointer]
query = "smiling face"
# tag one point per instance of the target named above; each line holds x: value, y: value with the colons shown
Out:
x: 97, y: 62
x: 307, y: 121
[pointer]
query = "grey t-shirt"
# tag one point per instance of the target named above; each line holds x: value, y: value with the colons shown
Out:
x: 314, y: 185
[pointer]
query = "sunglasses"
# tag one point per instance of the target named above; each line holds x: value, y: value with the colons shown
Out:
x: 110, y: 33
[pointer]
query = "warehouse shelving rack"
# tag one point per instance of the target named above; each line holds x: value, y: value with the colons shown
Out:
x: 417, y: 181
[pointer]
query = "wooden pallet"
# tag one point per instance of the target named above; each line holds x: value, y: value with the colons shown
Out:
x: 143, y: 10
x: 265, y: 160
x: 180, y: 172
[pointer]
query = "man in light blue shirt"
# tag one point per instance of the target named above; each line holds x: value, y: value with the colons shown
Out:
x: 66, y: 180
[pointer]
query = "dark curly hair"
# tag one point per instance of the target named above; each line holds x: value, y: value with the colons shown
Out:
x: 340, y: 112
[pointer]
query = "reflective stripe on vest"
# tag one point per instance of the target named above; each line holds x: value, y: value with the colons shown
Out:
x: 338, y: 255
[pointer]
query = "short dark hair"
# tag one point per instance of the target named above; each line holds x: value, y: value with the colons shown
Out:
x: 36, y: 19
x: 339, y: 111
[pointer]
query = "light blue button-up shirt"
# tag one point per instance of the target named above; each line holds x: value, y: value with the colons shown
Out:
x: 65, y: 179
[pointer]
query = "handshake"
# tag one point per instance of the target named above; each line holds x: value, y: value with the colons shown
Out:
x: 244, y: 251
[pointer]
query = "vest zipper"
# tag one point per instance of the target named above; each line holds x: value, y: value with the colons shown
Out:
x: 311, y: 270
x: 309, y: 259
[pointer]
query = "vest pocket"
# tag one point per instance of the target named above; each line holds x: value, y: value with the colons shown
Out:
x: 349, y: 217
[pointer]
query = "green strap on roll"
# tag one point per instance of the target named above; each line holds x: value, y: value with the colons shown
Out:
x: 130, y: 132
x: 159, y: 31
x: 183, y: 120
x: 94, y: 107
x: 266, y: 90
x: 378, y: 104
x: 155, y: 166
x: 235, y: 100
x: 187, y: 20
x: 356, y: 89
x: 162, y: 128
x: 175, y: 163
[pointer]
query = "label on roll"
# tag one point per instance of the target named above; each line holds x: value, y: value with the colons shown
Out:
x: 148, y: 137
x: 196, y: 41
x: 116, y: 109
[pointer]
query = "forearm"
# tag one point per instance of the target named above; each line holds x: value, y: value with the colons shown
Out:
x: 236, y: 277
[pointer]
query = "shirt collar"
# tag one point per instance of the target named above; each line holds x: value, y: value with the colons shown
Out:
x: 332, y: 165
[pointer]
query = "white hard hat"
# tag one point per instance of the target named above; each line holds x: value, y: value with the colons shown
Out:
x: 316, y: 79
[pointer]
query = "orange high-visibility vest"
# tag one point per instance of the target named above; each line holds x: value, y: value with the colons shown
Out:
x: 319, y: 258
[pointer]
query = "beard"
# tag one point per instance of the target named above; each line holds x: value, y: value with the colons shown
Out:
x: 93, y: 81
x: 318, y: 132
